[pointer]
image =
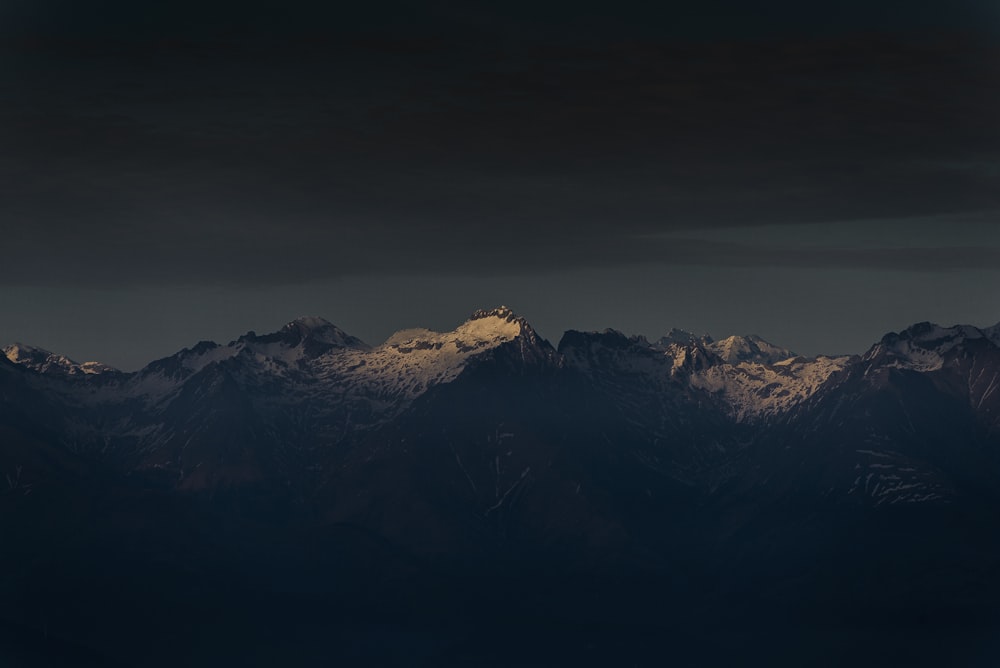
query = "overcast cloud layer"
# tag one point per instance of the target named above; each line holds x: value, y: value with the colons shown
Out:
x: 153, y: 147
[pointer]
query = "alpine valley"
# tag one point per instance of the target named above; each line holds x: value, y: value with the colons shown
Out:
x: 479, y: 497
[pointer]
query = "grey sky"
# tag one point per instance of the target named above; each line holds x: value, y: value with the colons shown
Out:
x: 172, y: 172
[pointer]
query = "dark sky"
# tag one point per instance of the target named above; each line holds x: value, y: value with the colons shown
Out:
x: 177, y: 171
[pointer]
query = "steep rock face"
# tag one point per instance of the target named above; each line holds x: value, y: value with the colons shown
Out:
x: 744, y: 381
x: 212, y: 434
x: 993, y: 333
x: 895, y: 455
x: 502, y: 464
x: 913, y: 421
x: 646, y: 393
x: 922, y: 347
x: 682, y: 337
x: 36, y: 438
x: 411, y: 361
x: 961, y: 362
x: 263, y: 407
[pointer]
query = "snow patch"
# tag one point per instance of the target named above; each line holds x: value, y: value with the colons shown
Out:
x: 924, y: 346
x: 412, y: 360
x: 753, y: 390
x: 750, y: 348
x: 44, y: 361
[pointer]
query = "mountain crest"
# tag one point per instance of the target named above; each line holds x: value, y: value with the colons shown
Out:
x: 45, y: 361
x: 925, y: 345
x: 320, y: 330
x: 502, y: 312
x: 314, y: 334
x: 499, y: 322
x: 993, y: 333
x: 682, y: 337
x: 749, y: 348
x: 309, y: 323
x: 929, y: 334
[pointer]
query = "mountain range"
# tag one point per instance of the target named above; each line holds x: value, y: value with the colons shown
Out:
x: 482, y: 497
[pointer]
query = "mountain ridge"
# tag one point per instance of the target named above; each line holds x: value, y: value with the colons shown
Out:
x: 750, y: 377
x: 481, y: 473
x: 733, y: 348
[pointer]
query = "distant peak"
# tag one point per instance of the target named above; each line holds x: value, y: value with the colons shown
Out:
x: 504, y: 318
x: 924, y: 346
x: 931, y: 334
x: 749, y: 348
x: 993, y: 333
x: 502, y: 312
x: 682, y: 337
x: 309, y: 323
x: 676, y: 334
x: 45, y: 361
x: 18, y: 350
x: 317, y: 334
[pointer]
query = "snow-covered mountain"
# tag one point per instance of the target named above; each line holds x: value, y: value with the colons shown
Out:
x: 44, y: 361
x: 749, y: 348
x: 306, y: 387
x: 412, y: 361
x: 274, y: 406
x: 993, y: 333
x: 751, y: 378
x: 753, y: 390
x: 925, y: 346
x: 915, y: 420
x: 678, y: 471
x: 682, y: 337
